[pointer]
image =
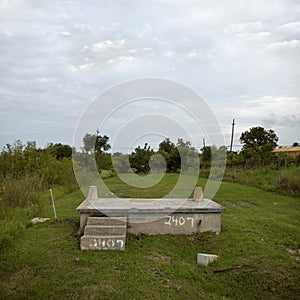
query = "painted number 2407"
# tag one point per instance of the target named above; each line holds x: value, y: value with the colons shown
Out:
x: 179, y: 221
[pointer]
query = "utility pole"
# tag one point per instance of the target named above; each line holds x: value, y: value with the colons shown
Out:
x: 203, y: 142
x: 232, y: 134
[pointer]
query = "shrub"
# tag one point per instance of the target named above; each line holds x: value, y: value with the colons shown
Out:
x: 23, y: 192
x: 105, y: 174
x: 289, y: 180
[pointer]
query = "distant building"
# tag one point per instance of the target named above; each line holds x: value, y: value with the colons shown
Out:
x: 292, y: 151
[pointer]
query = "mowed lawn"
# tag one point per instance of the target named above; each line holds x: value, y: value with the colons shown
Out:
x: 259, y: 250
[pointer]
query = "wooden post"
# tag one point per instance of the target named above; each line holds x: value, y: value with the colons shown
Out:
x: 53, y: 205
x: 232, y: 134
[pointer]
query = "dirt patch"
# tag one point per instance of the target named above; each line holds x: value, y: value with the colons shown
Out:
x: 160, y: 257
x: 295, y: 254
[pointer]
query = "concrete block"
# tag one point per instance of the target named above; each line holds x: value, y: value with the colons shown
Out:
x: 104, y: 230
x: 155, y: 216
x: 107, y: 221
x: 205, y: 259
x: 102, y: 242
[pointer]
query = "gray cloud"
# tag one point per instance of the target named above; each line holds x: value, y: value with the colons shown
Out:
x: 57, y: 56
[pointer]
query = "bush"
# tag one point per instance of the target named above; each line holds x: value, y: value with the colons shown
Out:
x: 289, y: 180
x: 284, y: 180
x: 105, y: 174
x: 26, y: 192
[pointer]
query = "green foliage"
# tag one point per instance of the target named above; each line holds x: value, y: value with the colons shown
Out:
x: 139, y: 159
x: 20, y: 160
x: 89, y: 141
x: 105, y: 174
x: 121, y: 163
x: 289, y: 180
x: 189, y: 157
x: 26, y: 171
x: 23, y: 192
x: 103, y: 161
x: 258, y: 140
x: 166, y: 146
x: 206, y: 155
x: 95, y: 143
x: 169, y: 151
x: 59, y: 150
x: 102, y: 144
x: 283, y: 180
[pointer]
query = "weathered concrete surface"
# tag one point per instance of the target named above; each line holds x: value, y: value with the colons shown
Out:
x: 102, y: 242
x: 175, y: 223
x: 156, y: 216
x: 104, y: 230
x: 104, y: 233
x: 205, y: 259
x: 117, y: 221
x: 198, y: 193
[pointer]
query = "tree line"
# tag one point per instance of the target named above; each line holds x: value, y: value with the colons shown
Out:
x: 27, y: 168
x: 51, y: 162
x: 257, y: 145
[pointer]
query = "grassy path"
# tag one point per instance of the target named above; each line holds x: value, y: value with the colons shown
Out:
x: 260, y: 235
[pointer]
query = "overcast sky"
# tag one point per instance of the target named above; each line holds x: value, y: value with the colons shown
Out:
x: 242, y: 57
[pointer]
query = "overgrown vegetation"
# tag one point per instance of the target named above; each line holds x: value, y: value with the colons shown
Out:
x: 26, y: 173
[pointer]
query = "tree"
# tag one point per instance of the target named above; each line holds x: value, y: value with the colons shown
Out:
x: 189, y: 157
x: 206, y: 154
x: 121, y: 163
x: 140, y: 158
x: 89, y: 141
x: 258, y: 139
x: 167, y: 146
x: 59, y: 150
x: 95, y: 143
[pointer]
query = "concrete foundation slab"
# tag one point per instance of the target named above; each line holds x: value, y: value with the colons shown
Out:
x: 156, y: 216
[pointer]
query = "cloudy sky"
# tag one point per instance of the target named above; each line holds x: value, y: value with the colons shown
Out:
x: 242, y: 57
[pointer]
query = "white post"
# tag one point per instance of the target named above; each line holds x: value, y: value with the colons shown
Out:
x: 198, y: 194
x: 53, y: 205
x: 93, y: 193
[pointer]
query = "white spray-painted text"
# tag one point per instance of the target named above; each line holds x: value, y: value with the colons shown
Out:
x: 179, y: 221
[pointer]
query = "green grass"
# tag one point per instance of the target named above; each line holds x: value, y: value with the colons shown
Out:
x: 260, y: 232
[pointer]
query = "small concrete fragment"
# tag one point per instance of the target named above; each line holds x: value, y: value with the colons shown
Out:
x: 37, y: 220
x: 205, y: 259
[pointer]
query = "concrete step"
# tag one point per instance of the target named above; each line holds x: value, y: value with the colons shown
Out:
x: 104, y: 230
x: 107, y: 221
x: 90, y: 242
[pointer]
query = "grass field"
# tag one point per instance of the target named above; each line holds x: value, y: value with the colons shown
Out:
x: 259, y: 250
